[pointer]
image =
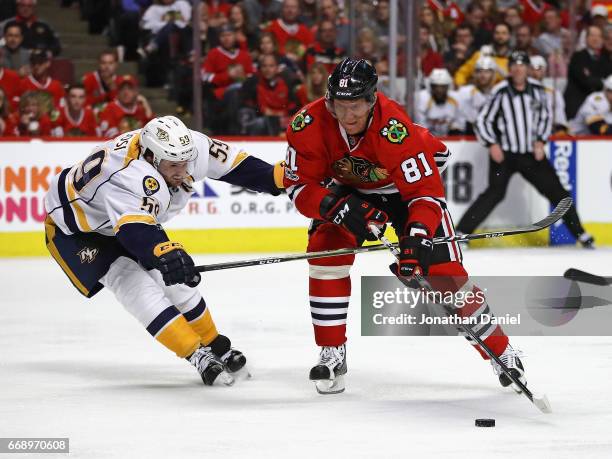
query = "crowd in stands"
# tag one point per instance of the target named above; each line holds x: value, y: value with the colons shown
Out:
x: 262, y: 60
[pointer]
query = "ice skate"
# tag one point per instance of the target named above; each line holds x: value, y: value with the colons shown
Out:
x: 328, y: 373
x: 511, y: 359
x: 586, y: 241
x: 211, y: 369
x: 233, y: 360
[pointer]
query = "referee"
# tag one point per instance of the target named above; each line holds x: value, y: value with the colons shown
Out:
x: 514, y: 126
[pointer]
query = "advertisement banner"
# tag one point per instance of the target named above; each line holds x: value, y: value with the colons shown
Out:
x: 563, y: 158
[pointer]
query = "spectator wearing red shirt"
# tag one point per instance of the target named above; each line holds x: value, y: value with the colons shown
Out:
x: 9, y: 80
x: 75, y: 118
x: 429, y: 58
x: 290, y: 35
x: 51, y: 91
x: 4, y: 112
x: 101, y: 84
x: 533, y: 11
x: 30, y: 119
x: 270, y: 100
x: 324, y: 50
x: 315, y: 85
x: 129, y: 111
x: 447, y: 9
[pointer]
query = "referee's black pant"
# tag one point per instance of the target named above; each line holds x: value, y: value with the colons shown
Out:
x: 539, y: 173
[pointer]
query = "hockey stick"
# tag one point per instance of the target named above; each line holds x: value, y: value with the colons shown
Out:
x: 555, y: 215
x: 540, y: 401
x: 588, y: 278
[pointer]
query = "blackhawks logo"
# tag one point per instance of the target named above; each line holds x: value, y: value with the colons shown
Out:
x: 353, y: 170
x: 300, y: 121
x: 394, y: 131
x: 150, y: 185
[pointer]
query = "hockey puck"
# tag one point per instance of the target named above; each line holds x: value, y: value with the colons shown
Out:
x: 485, y: 422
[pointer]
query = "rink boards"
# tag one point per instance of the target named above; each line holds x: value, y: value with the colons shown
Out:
x: 224, y: 218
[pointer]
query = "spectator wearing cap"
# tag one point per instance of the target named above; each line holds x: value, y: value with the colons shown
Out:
x: 37, y: 34
x: 586, y: 71
x: 101, y: 84
x: 436, y: 108
x: 461, y: 48
x: 515, y: 125
x: 224, y: 70
x: 288, y: 31
x: 268, y: 100
x: 550, y: 40
x: 9, y: 80
x: 130, y: 110
x: 472, y: 97
x: 76, y: 119
x: 30, y: 119
x: 556, y: 104
x: 49, y: 90
x: 595, y: 115
x: 498, y: 50
x: 324, y: 50
x: 14, y: 55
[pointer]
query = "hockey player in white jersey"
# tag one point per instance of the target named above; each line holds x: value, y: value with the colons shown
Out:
x: 472, y: 97
x: 436, y: 107
x: 104, y: 230
x: 595, y: 114
x: 556, y: 103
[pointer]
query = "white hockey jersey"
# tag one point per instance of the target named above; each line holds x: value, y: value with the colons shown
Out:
x: 470, y: 100
x: 556, y: 106
x: 596, y: 107
x: 440, y: 119
x: 114, y: 185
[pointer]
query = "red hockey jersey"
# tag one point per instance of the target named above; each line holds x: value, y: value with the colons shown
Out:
x: 9, y: 83
x: 293, y: 32
x: 394, y: 155
x: 84, y: 125
x: 97, y: 93
x: 116, y: 119
x: 53, y: 89
x: 215, y: 67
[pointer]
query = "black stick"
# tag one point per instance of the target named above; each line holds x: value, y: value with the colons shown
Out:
x: 555, y: 215
x: 540, y: 401
x: 588, y: 278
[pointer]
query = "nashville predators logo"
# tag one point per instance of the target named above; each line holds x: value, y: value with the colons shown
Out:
x: 394, y: 131
x: 87, y: 254
x: 300, y: 121
x: 150, y: 185
x: 162, y: 135
x: 353, y: 170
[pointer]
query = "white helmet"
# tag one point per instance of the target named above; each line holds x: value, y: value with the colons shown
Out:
x: 537, y: 62
x: 168, y: 138
x: 440, y: 77
x: 485, y: 63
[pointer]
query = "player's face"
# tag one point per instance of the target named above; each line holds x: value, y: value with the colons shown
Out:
x: 537, y: 73
x: 76, y: 99
x: 484, y: 77
x: 439, y: 92
x: 173, y: 172
x: 352, y: 114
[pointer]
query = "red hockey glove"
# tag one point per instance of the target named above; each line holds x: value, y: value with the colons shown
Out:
x: 415, y: 252
x: 354, y: 214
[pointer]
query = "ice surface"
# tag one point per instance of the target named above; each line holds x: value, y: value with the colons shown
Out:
x: 85, y: 369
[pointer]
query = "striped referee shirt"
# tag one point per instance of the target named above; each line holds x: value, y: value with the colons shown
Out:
x: 515, y: 119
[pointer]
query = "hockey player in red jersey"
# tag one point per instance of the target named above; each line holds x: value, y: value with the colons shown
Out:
x: 382, y: 168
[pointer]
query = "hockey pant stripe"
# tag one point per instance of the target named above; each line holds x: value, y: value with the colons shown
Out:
x: 172, y: 330
x: 201, y: 321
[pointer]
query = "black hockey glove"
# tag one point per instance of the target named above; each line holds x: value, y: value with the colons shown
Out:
x: 354, y: 214
x: 415, y: 253
x: 174, y: 264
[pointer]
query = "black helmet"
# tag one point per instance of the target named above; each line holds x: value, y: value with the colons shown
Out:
x: 352, y: 79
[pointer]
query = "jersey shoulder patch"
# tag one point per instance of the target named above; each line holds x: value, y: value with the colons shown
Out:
x: 394, y: 131
x: 150, y: 185
x: 301, y: 121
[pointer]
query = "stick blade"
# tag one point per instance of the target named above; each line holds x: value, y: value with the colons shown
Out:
x: 542, y: 403
x: 581, y: 276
